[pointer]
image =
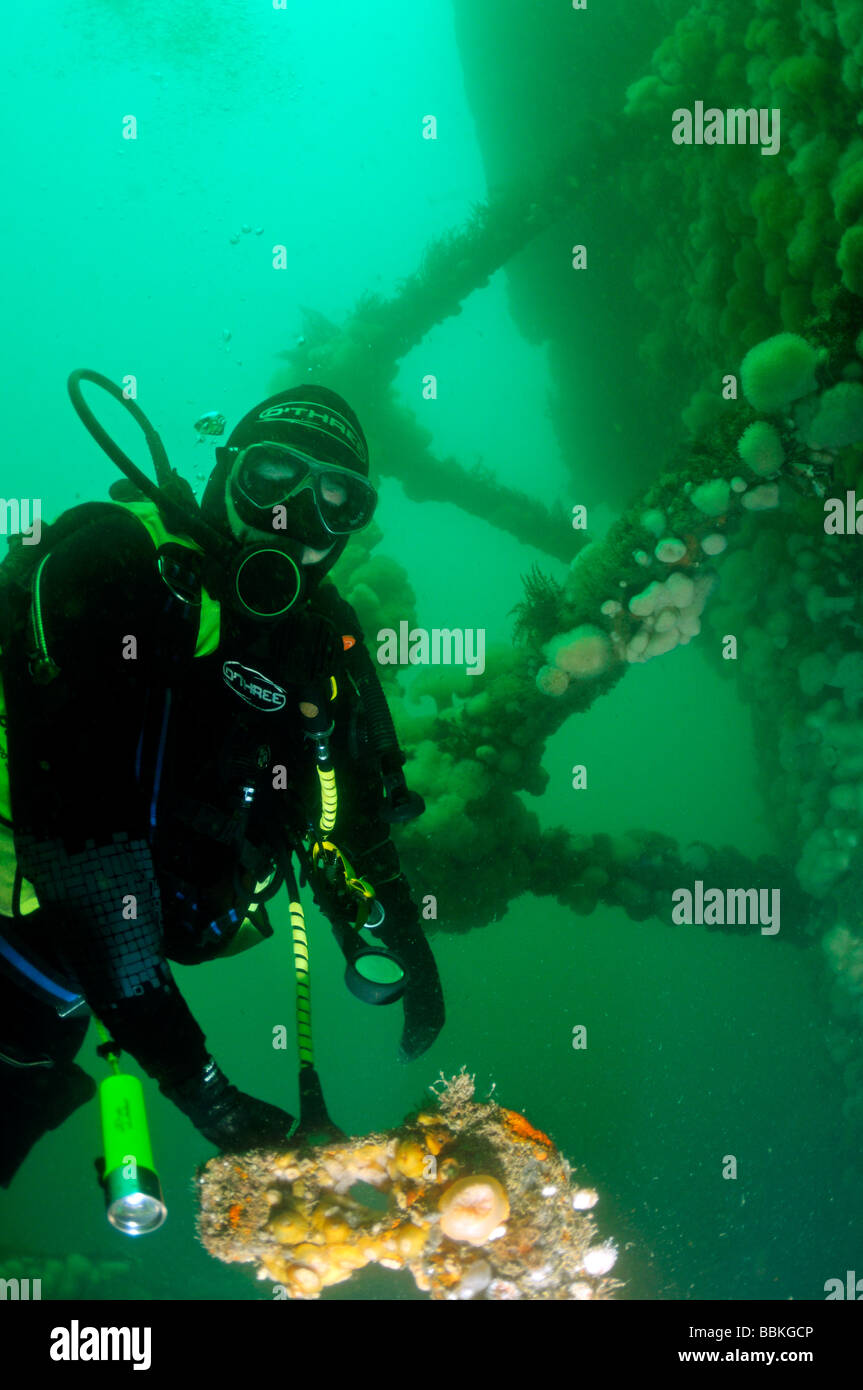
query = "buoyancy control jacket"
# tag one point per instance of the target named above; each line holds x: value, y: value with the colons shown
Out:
x: 156, y: 759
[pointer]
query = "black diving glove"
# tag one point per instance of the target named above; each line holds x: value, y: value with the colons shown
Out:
x: 227, y: 1117
x: 423, y: 997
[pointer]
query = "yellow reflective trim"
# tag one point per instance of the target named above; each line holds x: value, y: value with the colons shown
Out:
x: 151, y: 519
x: 358, y: 887
x: 209, y: 625
x: 334, y: 687
x: 361, y: 886
x: 8, y: 869
x: 246, y: 936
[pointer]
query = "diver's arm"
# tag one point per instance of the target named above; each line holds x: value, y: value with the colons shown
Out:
x: 84, y: 815
x: 118, y: 644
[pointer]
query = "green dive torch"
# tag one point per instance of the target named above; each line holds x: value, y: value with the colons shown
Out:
x: 133, y: 1193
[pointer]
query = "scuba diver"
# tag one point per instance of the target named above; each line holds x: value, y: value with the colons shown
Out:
x: 185, y: 694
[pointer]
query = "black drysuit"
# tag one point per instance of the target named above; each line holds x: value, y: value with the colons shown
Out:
x: 144, y: 805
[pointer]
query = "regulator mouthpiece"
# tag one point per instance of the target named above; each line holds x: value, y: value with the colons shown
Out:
x: 268, y: 581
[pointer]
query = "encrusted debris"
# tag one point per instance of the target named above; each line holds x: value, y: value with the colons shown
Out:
x: 309, y: 1217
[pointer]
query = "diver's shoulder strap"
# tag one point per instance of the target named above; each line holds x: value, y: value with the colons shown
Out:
x: 176, y: 557
x: 180, y: 571
x: 21, y: 564
x: 23, y: 557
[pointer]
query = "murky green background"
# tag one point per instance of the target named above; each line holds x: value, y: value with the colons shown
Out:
x: 119, y: 257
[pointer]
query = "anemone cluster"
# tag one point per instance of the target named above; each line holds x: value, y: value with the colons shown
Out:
x: 470, y: 1198
x: 764, y: 241
x: 792, y: 594
x: 474, y: 742
x: 676, y: 539
x: 754, y: 271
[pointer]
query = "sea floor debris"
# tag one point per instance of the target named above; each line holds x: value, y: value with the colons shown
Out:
x: 469, y: 1197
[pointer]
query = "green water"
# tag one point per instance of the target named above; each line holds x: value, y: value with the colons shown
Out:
x: 119, y: 256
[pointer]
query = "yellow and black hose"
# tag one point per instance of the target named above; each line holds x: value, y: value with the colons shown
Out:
x: 301, y: 970
x: 315, y: 1122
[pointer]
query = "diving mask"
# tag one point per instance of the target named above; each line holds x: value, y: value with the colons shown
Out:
x: 267, y: 475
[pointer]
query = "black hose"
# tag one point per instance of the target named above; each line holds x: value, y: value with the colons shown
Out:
x: 401, y: 803
x: 381, y: 728
x: 110, y: 446
x: 178, y: 517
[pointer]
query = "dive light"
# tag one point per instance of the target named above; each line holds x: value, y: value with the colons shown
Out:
x: 133, y: 1193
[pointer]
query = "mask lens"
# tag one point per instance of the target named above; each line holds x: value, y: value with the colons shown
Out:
x: 345, y: 501
x: 268, y: 474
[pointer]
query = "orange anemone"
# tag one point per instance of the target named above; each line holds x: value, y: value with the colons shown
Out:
x: 524, y: 1129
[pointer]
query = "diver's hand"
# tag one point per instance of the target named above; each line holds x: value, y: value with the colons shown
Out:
x: 227, y: 1117
x: 423, y: 996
